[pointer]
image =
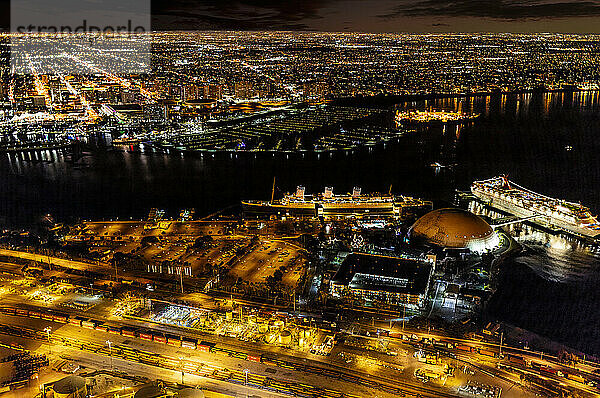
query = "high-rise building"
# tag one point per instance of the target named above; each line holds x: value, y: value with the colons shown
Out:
x: 213, y: 91
x: 243, y: 90
x: 155, y: 112
x: 316, y: 89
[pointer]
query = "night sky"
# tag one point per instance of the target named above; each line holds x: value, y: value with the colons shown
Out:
x: 372, y: 15
x: 380, y: 15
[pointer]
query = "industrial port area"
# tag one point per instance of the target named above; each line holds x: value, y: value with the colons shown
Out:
x: 361, y: 295
x: 227, y: 200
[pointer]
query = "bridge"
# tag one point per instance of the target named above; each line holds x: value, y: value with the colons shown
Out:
x: 503, y: 221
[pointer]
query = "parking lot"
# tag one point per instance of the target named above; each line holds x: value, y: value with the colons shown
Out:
x: 270, y: 256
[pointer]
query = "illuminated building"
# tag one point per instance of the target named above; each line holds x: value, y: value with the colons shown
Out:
x: 243, y: 90
x: 455, y: 229
x: 384, y: 279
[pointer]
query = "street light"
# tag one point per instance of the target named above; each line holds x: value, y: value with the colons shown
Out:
x: 246, y: 383
x: 181, y: 362
x: 48, y: 329
x: 110, y: 353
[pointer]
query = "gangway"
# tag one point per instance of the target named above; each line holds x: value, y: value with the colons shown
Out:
x: 513, y: 220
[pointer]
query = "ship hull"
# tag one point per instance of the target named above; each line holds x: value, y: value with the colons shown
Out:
x: 268, y: 208
x: 544, y: 220
x: 350, y: 209
x: 346, y: 207
x: 317, y: 209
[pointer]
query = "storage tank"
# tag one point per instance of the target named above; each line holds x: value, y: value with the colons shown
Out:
x: 70, y: 387
x: 229, y: 315
x: 190, y: 393
x: 279, y: 325
x: 150, y: 391
x: 285, y: 337
x: 263, y: 328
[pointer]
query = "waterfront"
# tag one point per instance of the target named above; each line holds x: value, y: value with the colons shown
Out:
x: 527, y: 136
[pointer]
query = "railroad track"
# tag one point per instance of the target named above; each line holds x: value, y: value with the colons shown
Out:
x: 401, y: 389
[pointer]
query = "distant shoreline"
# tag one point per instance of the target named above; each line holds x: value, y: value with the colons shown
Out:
x: 400, y: 98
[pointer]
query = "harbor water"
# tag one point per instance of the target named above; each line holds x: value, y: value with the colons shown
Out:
x: 547, y: 142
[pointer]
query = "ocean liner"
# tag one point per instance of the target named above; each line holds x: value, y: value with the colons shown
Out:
x: 505, y: 195
x: 328, y: 204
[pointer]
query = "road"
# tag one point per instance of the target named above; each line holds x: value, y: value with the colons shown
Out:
x: 487, y: 367
x: 380, y: 375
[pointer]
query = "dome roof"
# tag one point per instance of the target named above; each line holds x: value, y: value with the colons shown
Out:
x: 454, y: 229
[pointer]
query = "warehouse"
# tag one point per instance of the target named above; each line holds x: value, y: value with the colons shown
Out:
x: 386, y: 279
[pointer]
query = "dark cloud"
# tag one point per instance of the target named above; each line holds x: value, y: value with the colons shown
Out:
x: 496, y: 9
x: 364, y: 15
x: 236, y: 14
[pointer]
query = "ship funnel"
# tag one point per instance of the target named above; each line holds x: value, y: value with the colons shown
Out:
x: 328, y: 194
x: 356, y: 192
x: 300, y: 192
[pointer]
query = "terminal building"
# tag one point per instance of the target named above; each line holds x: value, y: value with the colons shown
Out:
x: 453, y: 229
x: 386, y: 279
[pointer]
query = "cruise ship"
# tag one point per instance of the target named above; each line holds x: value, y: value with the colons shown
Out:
x: 329, y: 204
x: 505, y: 195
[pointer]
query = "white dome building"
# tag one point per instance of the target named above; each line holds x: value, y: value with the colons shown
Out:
x: 453, y: 228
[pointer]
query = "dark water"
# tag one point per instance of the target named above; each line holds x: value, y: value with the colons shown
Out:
x: 552, y: 290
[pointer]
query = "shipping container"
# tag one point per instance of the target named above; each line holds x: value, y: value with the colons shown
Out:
x: 174, y: 341
x: 60, y: 318
x: 188, y: 343
x: 114, y: 330
x: 10, y: 311
x: 488, y: 353
x: 159, y: 338
x: 22, y: 312
x: 205, y: 346
x: 128, y: 332
x: 146, y: 336
x: 547, y: 369
x: 517, y: 360
x: 575, y: 377
x: 88, y: 324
